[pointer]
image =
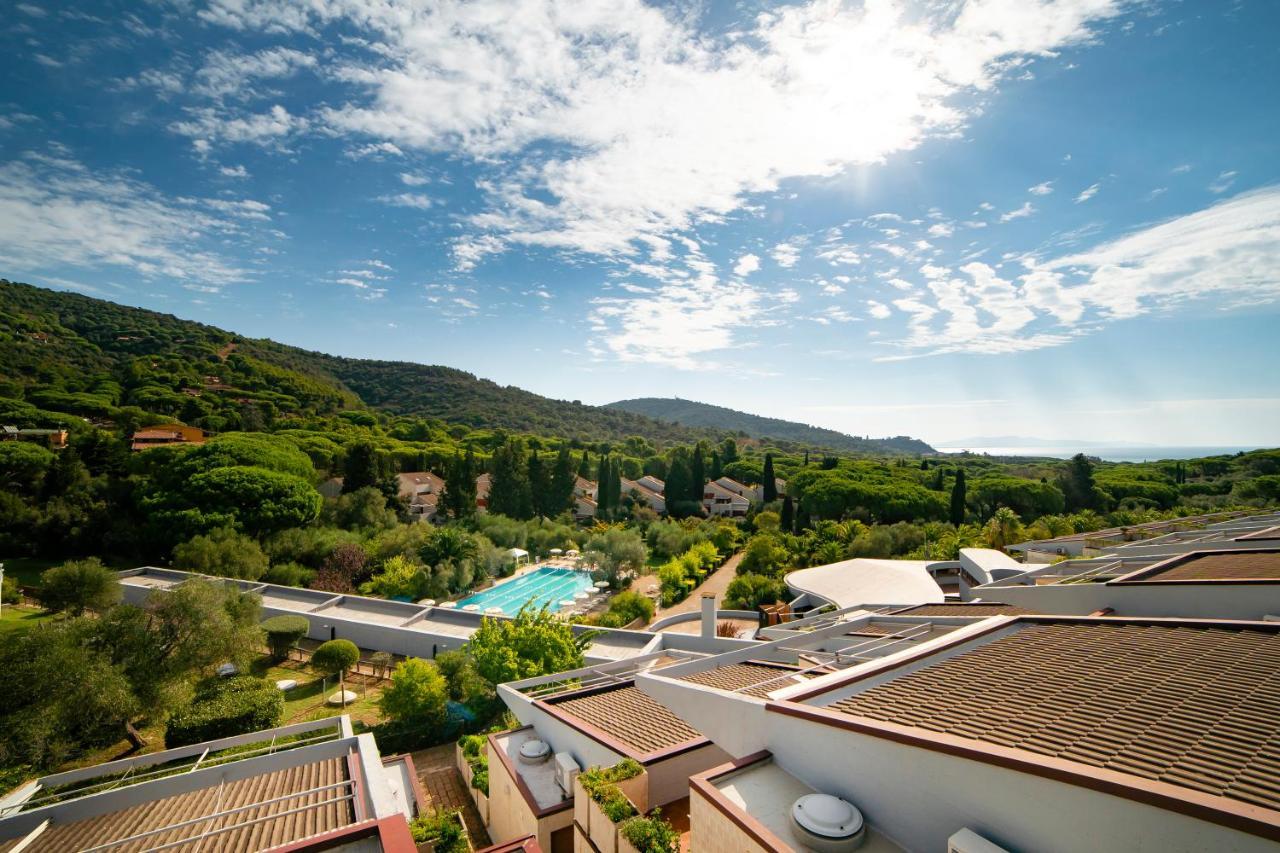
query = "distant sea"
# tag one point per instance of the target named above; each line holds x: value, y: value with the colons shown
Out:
x: 1110, y: 454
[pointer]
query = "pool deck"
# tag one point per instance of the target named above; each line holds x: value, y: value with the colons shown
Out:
x: 524, y: 571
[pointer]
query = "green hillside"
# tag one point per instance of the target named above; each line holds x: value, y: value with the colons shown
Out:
x: 706, y: 416
x: 68, y: 353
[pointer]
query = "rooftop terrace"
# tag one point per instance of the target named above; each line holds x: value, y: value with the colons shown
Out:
x: 1194, y: 706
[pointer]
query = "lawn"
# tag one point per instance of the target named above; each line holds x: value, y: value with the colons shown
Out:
x: 18, y: 620
x: 307, y: 700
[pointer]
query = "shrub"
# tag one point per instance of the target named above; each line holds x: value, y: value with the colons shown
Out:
x: 77, y: 586
x: 225, y: 708
x: 628, y: 606
x: 289, y: 574
x: 335, y: 657
x: 417, y: 695
x: 480, y: 780
x: 651, y: 834
x: 222, y: 552
x: 749, y: 591
x: 282, y: 632
x: 601, y: 786
x: 442, y: 828
x: 10, y: 593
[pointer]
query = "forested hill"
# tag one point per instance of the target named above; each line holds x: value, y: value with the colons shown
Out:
x: 63, y: 352
x: 704, y: 415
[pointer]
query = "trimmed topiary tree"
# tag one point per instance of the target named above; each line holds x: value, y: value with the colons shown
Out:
x: 227, y: 707
x: 283, y: 632
x: 335, y: 658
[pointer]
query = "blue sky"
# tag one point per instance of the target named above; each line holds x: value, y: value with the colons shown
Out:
x: 943, y: 219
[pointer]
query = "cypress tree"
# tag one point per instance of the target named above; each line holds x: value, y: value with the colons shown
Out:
x: 539, y: 486
x: 562, y: 483
x: 788, y: 515
x: 459, y: 498
x: 604, y: 491
x: 697, y: 474
x: 770, y: 483
x: 509, y: 492
x: 957, y: 499
x: 584, y: 465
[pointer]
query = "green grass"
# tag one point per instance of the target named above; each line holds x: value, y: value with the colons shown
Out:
x: 307, y: 701
x: 18, y: 620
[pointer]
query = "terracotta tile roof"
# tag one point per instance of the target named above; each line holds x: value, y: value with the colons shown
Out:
x: 963, y: 608
x: 156, y: 814
x: 629, y: 716
x: 750, y: 678
x: 1193, y: 706
x: 1257, y: 565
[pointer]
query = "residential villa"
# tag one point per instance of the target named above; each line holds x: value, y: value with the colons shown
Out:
x: 717, y: 500
x: 166, y: 434
x: 652, y: 483
x: 421, y: 490
x: 54, y: 439
x: 654, y: 500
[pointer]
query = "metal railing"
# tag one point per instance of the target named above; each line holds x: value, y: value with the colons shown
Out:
x: 825, y: 661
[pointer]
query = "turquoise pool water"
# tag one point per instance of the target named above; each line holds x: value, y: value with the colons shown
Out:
x: 545, y: 586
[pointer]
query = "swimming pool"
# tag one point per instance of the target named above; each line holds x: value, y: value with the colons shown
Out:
x: 546, y: 586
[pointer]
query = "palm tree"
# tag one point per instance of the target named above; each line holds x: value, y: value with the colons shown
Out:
x: 1003, y: 529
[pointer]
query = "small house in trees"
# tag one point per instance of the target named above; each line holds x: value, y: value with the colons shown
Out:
x: 717, y: 500
x: 421, y: 490
x: 653, y: 484
x: 159, y: 436
x: 482, y: 492
x: 652, y: 499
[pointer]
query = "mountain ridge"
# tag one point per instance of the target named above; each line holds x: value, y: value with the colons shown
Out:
x: 696, y: 414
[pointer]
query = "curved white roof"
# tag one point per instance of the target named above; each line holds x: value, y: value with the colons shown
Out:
x: 867, y: 581
x: 987, y: 564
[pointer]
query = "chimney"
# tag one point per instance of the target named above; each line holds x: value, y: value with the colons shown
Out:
x: 708, y: 615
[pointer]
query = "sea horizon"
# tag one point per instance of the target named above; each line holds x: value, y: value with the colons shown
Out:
x: 1134, y: 453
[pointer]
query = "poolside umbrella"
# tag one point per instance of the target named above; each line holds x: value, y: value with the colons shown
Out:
x: 602, y: 584
x: 494, y: 610
x: 568, y: 602
x: 572, y: 552
x: 557, y: 551
x: 581, y: 595
x: 472, y: 607
x: 428, y: 602
x: 450, y: 604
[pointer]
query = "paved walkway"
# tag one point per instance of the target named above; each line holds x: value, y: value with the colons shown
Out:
x: 716, y: 583
x: 444, y: 789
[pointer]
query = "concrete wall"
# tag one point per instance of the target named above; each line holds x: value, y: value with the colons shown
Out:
x: 510, y: 817
x: 714, y: 832
x: 919, y: 797
x: 669, y: 779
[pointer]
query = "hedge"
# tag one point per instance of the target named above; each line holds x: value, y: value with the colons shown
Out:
x: 233, y: 706
x: 282, y: 632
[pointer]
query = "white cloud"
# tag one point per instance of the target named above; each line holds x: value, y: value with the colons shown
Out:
x: 205, y: 124
x: 629, y: 120
x: 941, y: 229
x: 409, y: 179
x: 417, y: 201
x: 1087, y: 193
x: 238, y: 171
x: 55, y: 212
x: 746, y: 265
x: 231, y: 75
x: 1018, y: 213
x: 1041, y: 189
x: 1223, y: 182
x: 785, y: 255
x: 878, y: 310
x: 1228, y: 252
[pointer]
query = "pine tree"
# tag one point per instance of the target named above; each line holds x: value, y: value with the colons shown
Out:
x: 770, y: 484
x: 367, y: 466
x: 957, y: 499
x: 717, y: 467
x: 584, y: 465
x: 1077, y: 485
